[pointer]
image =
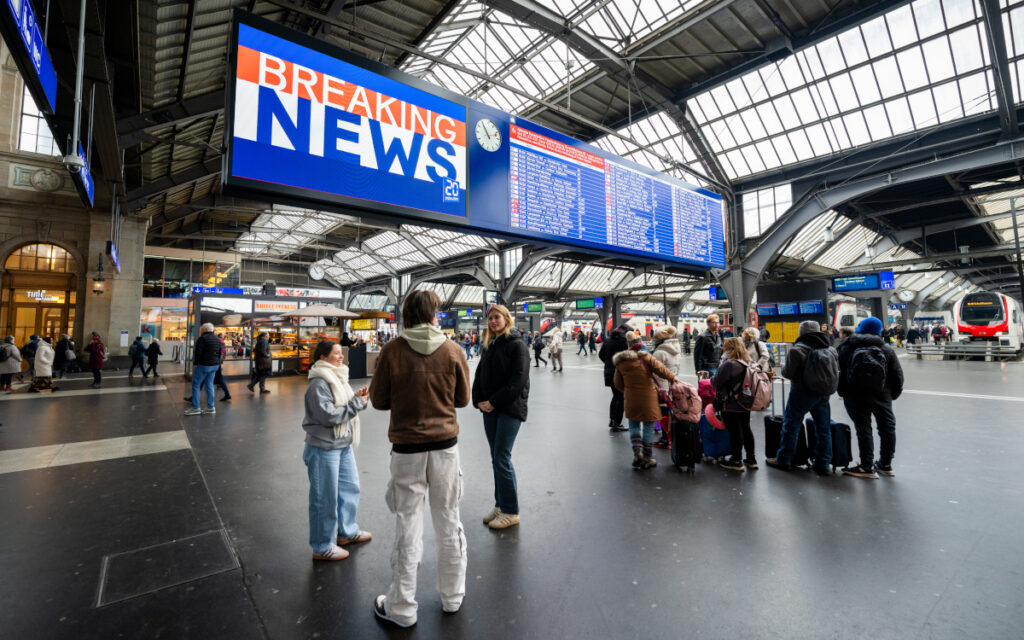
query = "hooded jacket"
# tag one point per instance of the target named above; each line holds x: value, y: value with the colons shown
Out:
x: 632, y: 379
x: 667, y: 353
x: 707, y: 352
x: 758, y: 353
x: 503, y: 375
x: 153, y: 352
x: 421, y: 378
x: 13, y: 362
x: 97, y: 352
x: 893, y: 370
x: 729, y: 376
x: 44, y: 360
x: 63, y: 346
x: 616, y: 343
x: 794, y: 367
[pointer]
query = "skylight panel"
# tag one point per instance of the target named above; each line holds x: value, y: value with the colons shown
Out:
x: 470, y: 295
x: 976, y: 91
x: 898, y: 112
x: 947, y: 96
x: 967, y: 49
x: 888, y: 75
x: 876, y: 36
x: 928, y: 16
x: 958, y: 12
x: 902, y: 30
x: 878, y: 122
x: 910, y: 64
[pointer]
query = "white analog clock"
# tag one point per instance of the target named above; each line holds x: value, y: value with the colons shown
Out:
x: 488, y: 134
x: 690, y: 306
x: 317, y: 271
x: 906, y: 295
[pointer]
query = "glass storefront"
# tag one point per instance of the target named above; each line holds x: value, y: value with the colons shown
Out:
x: 39, y: 293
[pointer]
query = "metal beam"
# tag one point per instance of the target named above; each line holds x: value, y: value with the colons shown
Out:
x: 196, y: 173
x: 999, y: 250
x: 131, y: 130
x: 414, y: 241
x: 568, y: 281
x: 524, y: 267
x: 1000, y: 67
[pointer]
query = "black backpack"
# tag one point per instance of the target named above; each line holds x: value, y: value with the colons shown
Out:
x: 867, y: 369
x: 5, y: 353
x: 821, y: 371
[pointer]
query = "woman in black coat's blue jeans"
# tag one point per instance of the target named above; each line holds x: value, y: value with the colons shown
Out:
x: 501, y: 389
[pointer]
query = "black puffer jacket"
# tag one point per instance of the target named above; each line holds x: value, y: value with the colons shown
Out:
x: 614, y: 344
x: 793, y: 370
x: 893, y: 370
x: 207, y: 352
x: 503, y: 375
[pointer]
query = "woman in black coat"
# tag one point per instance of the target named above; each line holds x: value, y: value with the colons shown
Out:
x: 614, y: 344
x: 501, y: 389
x: 153, y: 354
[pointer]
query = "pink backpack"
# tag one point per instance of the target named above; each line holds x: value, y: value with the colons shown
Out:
x: 755, y: 393
x: 686, y: 404
x: 705, y: 391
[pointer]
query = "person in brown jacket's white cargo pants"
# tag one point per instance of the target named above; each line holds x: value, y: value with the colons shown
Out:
x: 422, y: 378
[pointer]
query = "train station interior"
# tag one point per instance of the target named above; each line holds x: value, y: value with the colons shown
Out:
x: 299, y: 168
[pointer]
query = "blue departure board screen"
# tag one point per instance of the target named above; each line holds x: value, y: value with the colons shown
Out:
x: 788, y: 308
x: 767, y: 310
x: 811, y: 307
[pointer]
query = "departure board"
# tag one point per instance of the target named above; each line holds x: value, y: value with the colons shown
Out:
x: 566, y: 191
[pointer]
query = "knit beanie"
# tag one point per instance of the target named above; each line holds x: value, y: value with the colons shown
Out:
x: 633, y: 338
x: 870, y: 325
x: 664, y: 333
x: 809, y: 326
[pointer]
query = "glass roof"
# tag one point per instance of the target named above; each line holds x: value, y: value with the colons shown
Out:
x: 917, y: 66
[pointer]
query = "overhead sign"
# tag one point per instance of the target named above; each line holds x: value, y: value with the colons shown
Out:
x: 267, y: 305
x: 219, y: 290
x: 363, y: 324
x: 21, y: 30
x: 767, y: 309
x: 867, y: 282
x: 314, y: 123
x: 716, y: 293
x: 533, y: 307
x: 83, y: 179
x: 590, y: 303
x: 112, y: 254
x: 893, y: 306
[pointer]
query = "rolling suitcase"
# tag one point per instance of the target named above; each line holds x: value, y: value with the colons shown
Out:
x: 714, y: 442
x: 773, y: 433
x: 685, y: 445
x: 842, y: 443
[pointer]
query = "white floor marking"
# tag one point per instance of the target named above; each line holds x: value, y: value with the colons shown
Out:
x: 965, y: 395
x: 57, y: 455
x: 78, y: 392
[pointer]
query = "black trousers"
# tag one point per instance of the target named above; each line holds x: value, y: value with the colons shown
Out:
x: 740, y: 435
x: 150, y: 369
x: 537, y: 359
x: 860, y: 410
x: 259, y: 376
x: 218, y: 381
x: 617, y: 407
x: 96, y: 376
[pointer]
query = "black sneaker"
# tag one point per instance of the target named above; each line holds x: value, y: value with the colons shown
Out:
x: 662, y: 444
x: 750, y: 464
x: 884, y: 469
x: 822, y: 471
x: 619, y: 427
x: 860, y: 472
x: 730, y: 464
x: 774, y: 463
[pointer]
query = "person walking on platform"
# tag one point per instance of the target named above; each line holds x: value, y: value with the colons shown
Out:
x: 501, y: 390
x: 870, y: 378
x: 28, y: 354
x: 263, y: 363
x: 592, y: 342
x: 813, y: 368
x: 686, y: 340
x: 666, y: 351
x: 730, y: 376
x: 707, y: 352
x: 422, y: 378
x: 581, y: 340
x: 634, y: 370
x: 137, y: 355
x: 97, y: 354
x: 756, y: 349
x: 538, y: 349
x: 153, y: 354
x: 64, y: 355
x: 615, y: 343
x: 467, y: 344
x: 218, y: 378
x: 43, y: 367
x: 555, y: 349
x: 10, y: 363
x: 331, y: 424
x: 206, y: 358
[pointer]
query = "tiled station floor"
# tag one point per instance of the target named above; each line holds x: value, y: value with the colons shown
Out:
x: 124, y: 518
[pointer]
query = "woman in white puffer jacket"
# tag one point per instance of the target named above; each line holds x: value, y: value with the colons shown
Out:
x: 666, y: 351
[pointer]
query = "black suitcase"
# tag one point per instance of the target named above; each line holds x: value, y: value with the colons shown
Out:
x: 842, y: 443
x: 773, y: 433
x: 686, y: 446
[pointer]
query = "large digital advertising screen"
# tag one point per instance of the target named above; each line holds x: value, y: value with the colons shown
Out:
x: 867, y: 282
x: 316, y: 124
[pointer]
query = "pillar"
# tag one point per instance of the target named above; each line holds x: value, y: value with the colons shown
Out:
x: 119, y: 307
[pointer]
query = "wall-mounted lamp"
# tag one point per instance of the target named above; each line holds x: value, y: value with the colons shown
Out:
x: 97, y: 282
x: 869, y: 252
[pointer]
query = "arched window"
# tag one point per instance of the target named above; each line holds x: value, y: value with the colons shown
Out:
x: 41, y: 257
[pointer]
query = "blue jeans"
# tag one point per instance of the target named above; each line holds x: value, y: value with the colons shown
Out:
x: 202, y: 378
x: 802, y: 401
x: 648, y: 430
x: 501, y: 433
x: 140, y: 363
x: 333, y: 495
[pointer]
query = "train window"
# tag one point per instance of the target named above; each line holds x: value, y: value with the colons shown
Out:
x: 846, y: 321
x: 982, y: 309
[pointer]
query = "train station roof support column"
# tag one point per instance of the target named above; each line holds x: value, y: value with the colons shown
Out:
x: 741, y: 279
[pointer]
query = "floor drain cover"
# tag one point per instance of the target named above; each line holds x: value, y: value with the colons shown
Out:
x: 134, y: 573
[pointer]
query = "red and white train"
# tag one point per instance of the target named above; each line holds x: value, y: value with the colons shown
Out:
x: 991, y: 317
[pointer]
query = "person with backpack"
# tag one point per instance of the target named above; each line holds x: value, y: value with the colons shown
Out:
x: 582, y: 341
x: 10, y: 363
x: 666, y: 351
x: 555, y: 349
x: 729, y: 382
x: 263, y: 363
x: 636, y: 373
x: 615, y: 343
x: 64, y: 357
x: 137, y: 354
x: 870, y: 378
x: 592, y: 342
x: 707, y: 352
x: 756, y: 349
x: 812, y: 365
x: 538, y: 350
x: 28, y: 354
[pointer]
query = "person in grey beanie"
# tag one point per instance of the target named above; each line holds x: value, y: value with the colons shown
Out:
x: 812, y: 365
x: 10, y: 362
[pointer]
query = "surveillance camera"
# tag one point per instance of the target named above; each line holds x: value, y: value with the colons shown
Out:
x: 73, y: 163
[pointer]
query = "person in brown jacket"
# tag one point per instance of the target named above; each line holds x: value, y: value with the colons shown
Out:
x: 635, y: 372
x: 422, y: 377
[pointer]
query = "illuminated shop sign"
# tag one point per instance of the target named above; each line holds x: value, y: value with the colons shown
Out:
x: 266, y: 305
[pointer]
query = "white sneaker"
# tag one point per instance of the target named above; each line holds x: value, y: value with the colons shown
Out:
x: 213, y: 410
x: 504, y: 520
x: 193, y: 412
x: 491, y: 515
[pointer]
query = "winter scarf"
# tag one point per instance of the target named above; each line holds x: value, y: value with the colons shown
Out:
x: 337, y: 378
